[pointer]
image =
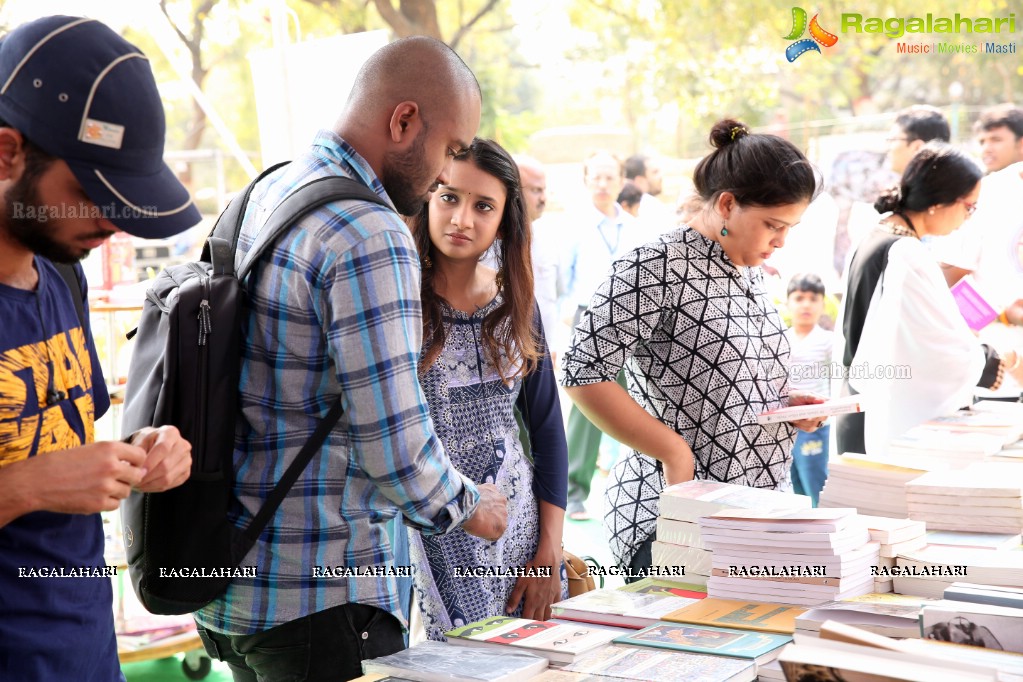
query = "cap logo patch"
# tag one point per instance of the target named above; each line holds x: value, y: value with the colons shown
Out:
x: 102, y: 133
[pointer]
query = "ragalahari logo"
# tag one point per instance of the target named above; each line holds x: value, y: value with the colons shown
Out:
x: 817, y: 35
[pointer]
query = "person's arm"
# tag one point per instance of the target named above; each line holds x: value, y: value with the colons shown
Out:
x: 373, y: 322
x: 613, y: 411
x: 617, y: 321
x: 82, y: 480
x: 541, y: 408
x: 953, y: 273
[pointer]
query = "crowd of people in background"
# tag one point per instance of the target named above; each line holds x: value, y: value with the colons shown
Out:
x: 444, y: 320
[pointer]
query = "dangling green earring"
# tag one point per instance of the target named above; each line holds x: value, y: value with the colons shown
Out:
x: 724, y: 229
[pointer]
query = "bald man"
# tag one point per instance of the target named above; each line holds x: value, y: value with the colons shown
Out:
x: 335, y: 314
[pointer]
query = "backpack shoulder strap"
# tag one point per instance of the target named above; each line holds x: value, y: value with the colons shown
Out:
x: 297, y: 204
x: 68, y: 274
x: 229, y: 226
x: 301, y: 202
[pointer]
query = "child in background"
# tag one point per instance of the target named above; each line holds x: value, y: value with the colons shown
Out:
x: 810, y: 361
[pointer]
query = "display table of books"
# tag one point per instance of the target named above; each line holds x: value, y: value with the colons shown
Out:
x: 911, y: 569
x: 781, y: 591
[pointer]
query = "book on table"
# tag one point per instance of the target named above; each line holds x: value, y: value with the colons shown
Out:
x: 992, y: 541
x: 690, y: 500
x: 688, y: 591
x: 738, y: 614
x: 1007, y: 666
x: 889, y: 531
x: 994, y: 595
x: 983, y: 625
x: 759, y: 647
x: 811, y: 657
x: 560, y: 643
x: 1007, y: 427
x: 619, y: 608
x: 443, y: 662
x: 855, y: 561
x: 889, y: 619
x: 644, y: 664
x: 783, y: 520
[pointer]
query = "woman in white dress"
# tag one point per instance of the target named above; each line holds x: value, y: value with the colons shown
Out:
x: 905, y: 345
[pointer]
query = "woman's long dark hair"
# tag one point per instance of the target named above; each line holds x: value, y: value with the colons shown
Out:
x: 509, y: 329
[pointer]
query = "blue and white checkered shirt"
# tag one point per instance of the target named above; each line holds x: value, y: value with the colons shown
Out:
x: 333, y: 310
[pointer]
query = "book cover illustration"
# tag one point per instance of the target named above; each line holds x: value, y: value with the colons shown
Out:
x: 708, y: 640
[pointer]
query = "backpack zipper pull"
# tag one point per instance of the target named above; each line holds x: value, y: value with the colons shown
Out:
x: 205, y: 319
x: 205, y: 324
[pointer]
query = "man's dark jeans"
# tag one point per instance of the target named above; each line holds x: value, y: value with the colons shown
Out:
x: 328, y: 645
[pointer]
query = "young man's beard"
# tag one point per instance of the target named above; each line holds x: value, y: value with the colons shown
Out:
x: 36, y: 235
x: 402, y: 176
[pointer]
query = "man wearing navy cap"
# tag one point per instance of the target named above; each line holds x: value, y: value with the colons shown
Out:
x: 81, y: 157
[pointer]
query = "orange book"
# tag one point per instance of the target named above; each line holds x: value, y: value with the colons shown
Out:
x: 741, y: 615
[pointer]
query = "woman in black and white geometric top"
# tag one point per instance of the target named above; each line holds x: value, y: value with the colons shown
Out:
x: 703, y: 347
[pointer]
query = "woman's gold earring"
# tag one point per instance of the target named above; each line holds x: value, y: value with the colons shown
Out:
x: 499, y: 280
x: 427, y: 263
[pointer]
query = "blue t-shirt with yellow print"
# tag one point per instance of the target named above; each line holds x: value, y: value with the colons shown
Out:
x: 51, y: 628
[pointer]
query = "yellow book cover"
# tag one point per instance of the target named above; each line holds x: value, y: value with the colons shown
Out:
x: 741, y: 615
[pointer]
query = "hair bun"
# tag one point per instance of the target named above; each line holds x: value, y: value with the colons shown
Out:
x: 727, y: 131
x: 889, y: 201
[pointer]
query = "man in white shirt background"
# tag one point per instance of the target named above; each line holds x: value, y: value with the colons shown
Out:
x: 598, y: 234
x: 989, y: 246
x: 646, y: 173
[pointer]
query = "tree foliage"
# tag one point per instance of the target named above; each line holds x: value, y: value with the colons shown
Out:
x: 698, y: 60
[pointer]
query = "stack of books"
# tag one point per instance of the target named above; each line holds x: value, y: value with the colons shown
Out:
x: 874, y: 486
x: 928, y: 445
x: 895, y: 536
x: 992, y: 541
x: 1002, y: 420
x: 844, y: 652
x: 985, y: 497
x: 678, y: 542
x: 929, y: 571
x: 804, y: 557
x: 891, y: 615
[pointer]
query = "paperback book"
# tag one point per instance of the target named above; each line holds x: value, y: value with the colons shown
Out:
x: 444, y: 662
x: 619, y: 608
x: 759, y: 647
x: 737, y: 614
x: 653, y: 665
x: 560, y: 643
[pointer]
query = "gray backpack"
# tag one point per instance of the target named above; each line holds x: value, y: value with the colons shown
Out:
x: 181, y: 546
